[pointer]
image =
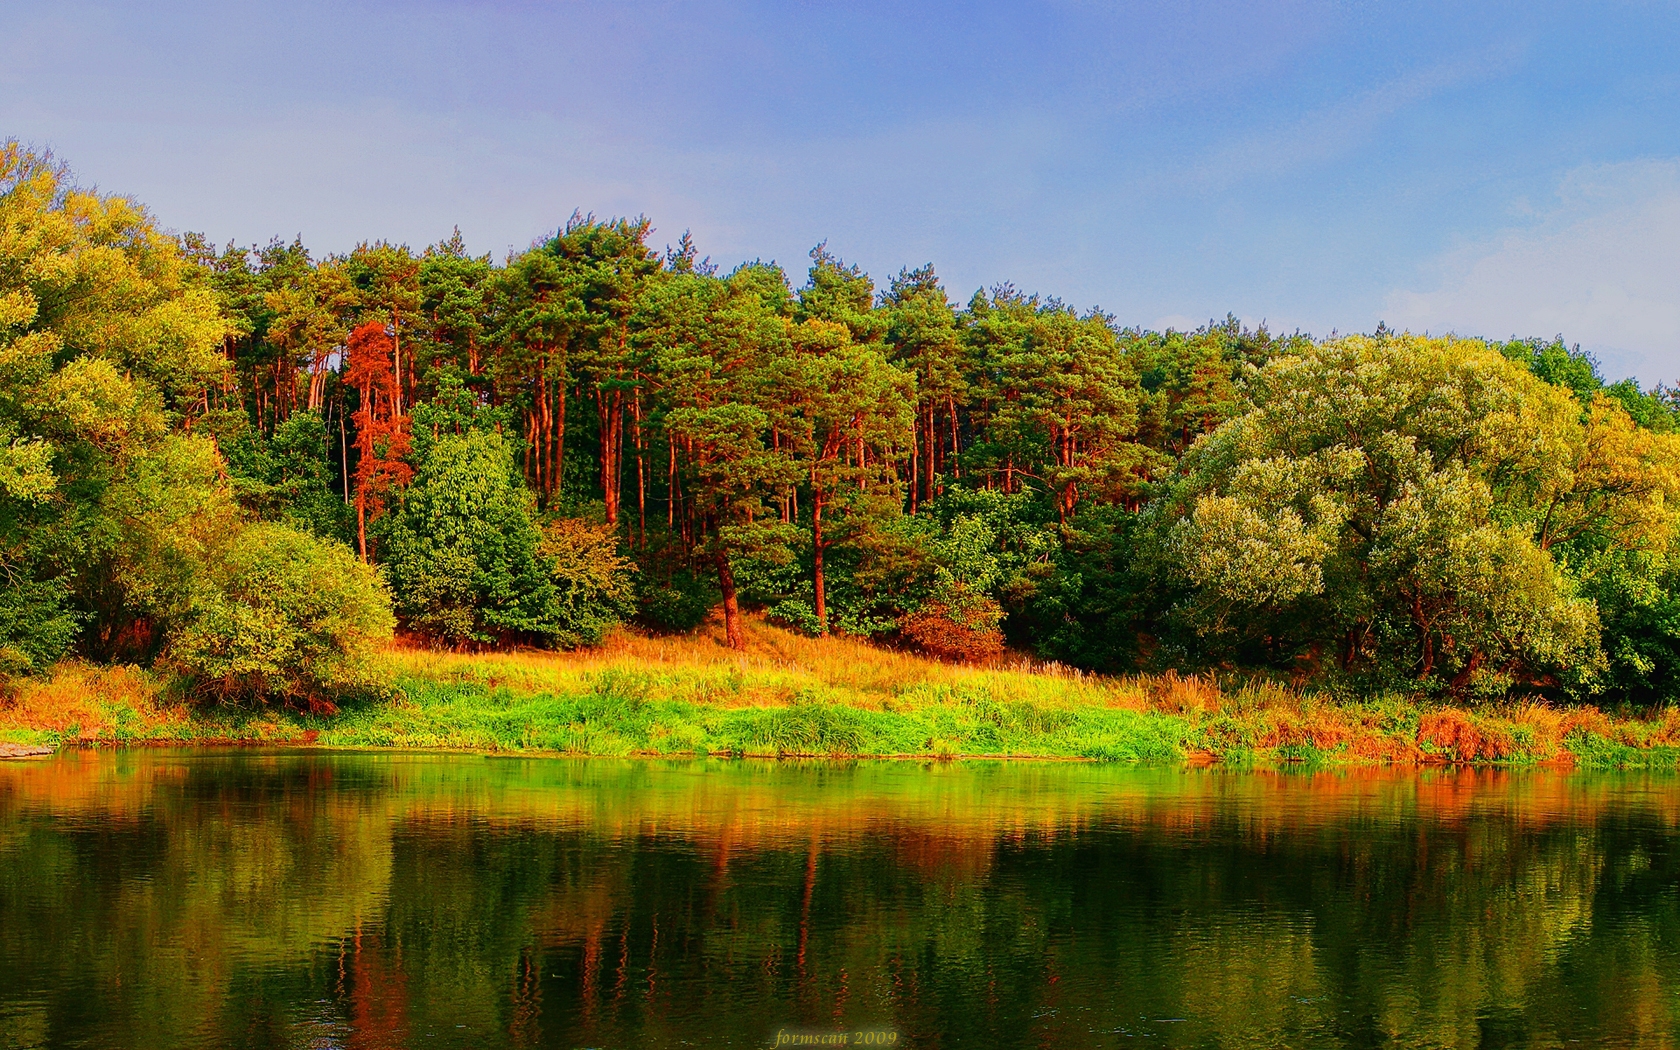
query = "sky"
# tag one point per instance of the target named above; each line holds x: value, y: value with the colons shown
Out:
x: 1481, y: 168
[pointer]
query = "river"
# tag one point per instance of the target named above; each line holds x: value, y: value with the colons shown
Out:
x: 219, y: 898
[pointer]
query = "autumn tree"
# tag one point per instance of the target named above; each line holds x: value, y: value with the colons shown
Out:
x: 386, y: 280
x: 382, y: 439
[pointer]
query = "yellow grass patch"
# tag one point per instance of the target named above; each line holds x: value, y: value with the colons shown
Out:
x: 86, y: 702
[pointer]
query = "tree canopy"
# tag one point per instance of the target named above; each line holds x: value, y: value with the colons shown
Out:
x: 535, y: 449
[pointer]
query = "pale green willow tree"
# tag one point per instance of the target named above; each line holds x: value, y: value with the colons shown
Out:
x: 1388, y: 502
x: 105, y: 329
x: 282, y: 615
x: 118, y: 526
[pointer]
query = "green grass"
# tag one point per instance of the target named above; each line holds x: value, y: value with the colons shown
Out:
x: 606, y: 718
x: 789, y: 695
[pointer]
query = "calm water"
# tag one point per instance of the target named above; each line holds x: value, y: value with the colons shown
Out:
x: 164, y: 899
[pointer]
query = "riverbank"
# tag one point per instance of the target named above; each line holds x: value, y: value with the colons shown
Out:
x: 795, y: 696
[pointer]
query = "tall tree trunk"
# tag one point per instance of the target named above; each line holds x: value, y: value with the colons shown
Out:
x: 1426, y: 640
x: 361, y: 525
x: 557, y: 446
x: 932, y: 438
x: 533, y: 462
x: 396, y: 363
x: 343, y: 453
x: 617, y: 455
x: 610, y: 409
x: 671, y: 487
x: 956, y: 467
x: 817, y: 544
x: 731, y: 606
x: 915, y: 471
x: 641, y: 474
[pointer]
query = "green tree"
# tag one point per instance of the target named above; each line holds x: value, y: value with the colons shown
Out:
x: 848, y: 411
x: 540, y: 322
x: 923, y: 332
x: 462, y: 549
x: 613, y: 268
x: 1064, y: 407
x: 1383, y: 503
x: 1194, y: 381
x: 107, y: 330
x: 456, y: 296
x: 722, y: 404
x: 840, y: 294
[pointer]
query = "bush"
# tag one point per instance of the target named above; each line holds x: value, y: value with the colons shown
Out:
x: 282, y: 616
x: 963, y: 633
x: 35, y: 627
x: 594, y: 583
x: 461, y: 551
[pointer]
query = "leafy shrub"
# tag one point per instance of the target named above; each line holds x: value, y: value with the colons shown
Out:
x: 594, y: 583
x: 282, y: 616
x: 964, y: 630
x: 461, y: 551
x: 35, y: 627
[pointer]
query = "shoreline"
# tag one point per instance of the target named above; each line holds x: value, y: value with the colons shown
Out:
x: 1190, y: 762
x: 795, y: 697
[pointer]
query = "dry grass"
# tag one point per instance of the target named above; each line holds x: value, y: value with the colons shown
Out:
x: 780, y: 667
x: 790, y: 694
x: 82, y: 702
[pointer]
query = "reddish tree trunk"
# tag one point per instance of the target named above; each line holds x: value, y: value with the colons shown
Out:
x: 361, y: 525
x: 817, y: 544
x: 731, y: 606
x: 956, y: 468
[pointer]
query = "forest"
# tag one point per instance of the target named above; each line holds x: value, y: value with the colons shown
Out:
x: 252, y: 466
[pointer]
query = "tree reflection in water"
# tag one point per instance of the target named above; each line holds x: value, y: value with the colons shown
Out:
x: 155, y: 898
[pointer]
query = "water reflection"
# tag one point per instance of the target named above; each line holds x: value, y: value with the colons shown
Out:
x: 305, y: 899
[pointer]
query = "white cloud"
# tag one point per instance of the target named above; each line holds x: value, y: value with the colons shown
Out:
x: 1601, y: 266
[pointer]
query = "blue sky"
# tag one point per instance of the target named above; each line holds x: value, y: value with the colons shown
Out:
x: 1490, y: 169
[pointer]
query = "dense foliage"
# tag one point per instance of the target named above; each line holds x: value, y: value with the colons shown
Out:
x: 282, y: 615
x: 533, y: 450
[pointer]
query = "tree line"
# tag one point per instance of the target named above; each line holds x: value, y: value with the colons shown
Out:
x: 252, y: 464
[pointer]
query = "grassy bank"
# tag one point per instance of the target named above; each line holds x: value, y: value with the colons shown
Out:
x: 790, y: 695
